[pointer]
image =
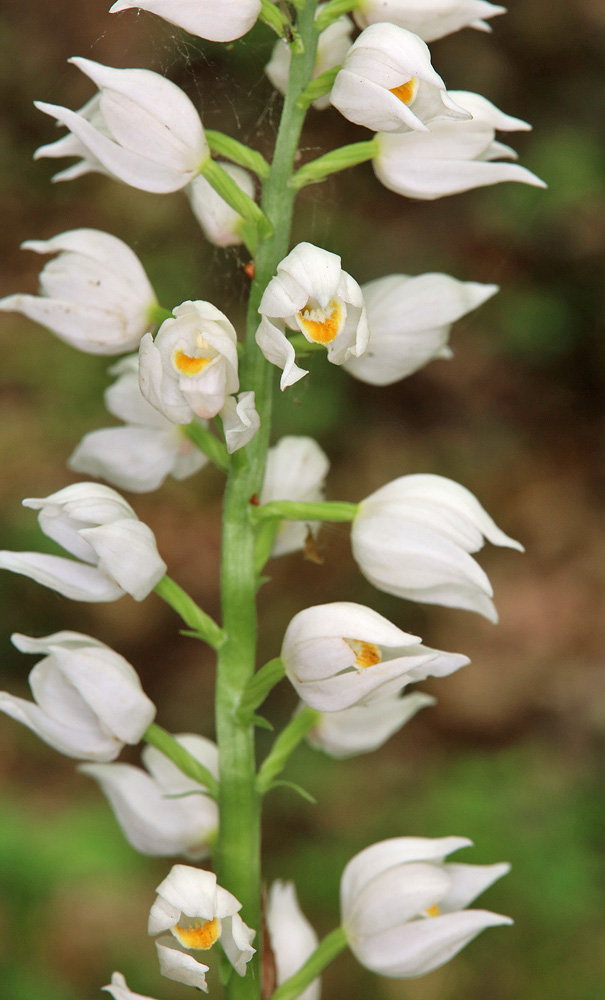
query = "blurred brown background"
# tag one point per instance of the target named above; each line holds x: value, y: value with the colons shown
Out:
x: 511, y: 754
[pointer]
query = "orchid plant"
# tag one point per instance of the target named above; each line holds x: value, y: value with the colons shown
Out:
x: 196, y: 393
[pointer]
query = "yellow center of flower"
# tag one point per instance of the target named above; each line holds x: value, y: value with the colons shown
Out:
x: 366, y: 653
x: 322, y: 326
x: 432, y: 911
x: 202, y: 934
x: 187, y: 365
x: 406, y: 92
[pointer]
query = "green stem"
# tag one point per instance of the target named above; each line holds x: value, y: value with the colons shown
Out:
x: 326, y: 952
x: 284, y: 745
x: 274, y: 17
x: 334, y: 161
x: 162, y: 740
x: 209, y: 444
x: 238, y: 849
x: 294, y: 510
x: 203, y: 626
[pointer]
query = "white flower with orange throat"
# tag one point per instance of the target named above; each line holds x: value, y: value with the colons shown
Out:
x: 311, y: 294
x: 216, y: 20
x: 342, y: 654
x: 403, y: 906
x: 191, y: 366
x: 388, y: 84
x: 198, y: 913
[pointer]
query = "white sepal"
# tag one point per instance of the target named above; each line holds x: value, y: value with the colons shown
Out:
x: 431, y: 19
x: 412, y: 538
x: 367, y: 727
x: 296, y: 469
x: 120, y: 990
x: 162, y: 813
x: 142, y: 129
x: 401, y: 904
x: 191, y: 367
x: 94, y: 295
x: 220, y: 223
x: 452, y: 157
x: 216, y: 20
x: 88, y: 700
x: 293, y: 939
x: 410, y: 319
x: 240, y: 420
x: 387, y: 83
x: 313, y: 295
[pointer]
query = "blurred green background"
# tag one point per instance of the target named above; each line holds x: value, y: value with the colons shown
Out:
x: 511, y: 755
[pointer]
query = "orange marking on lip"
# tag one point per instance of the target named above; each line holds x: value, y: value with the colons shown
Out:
x: 433, y: 911
x: 406, y: 91
x: 322, y: 327
x: 187, y: 365
x: 367, y: 653
x: 201, y: 935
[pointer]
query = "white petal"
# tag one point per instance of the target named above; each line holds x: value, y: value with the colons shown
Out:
x: 240, y: 420
x: 72, y: 738
x: 363, y: 728
x: 128, y: 553
x: 154, y: 387
x: 216, y: 20
x: 180, y: 965
x: 344, y: 619
x: 120, y: 991
x: 468, y: 882
x: 75, y: 580
x: 236, y: 939
x: 277, y: 349
x: 394, y: 897
x: 220, y: 223
x: 132, y: 458
x: 296, y: 470
x: 292, y: 937
x: 194, y: 892
x: 88, y: 328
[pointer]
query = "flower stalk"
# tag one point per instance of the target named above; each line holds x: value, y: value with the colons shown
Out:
x: 162, y: 740
x: 327, y: 950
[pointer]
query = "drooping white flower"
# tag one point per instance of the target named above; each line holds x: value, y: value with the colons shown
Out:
x: 292, y: 937
x: 388, y: 84
x: 342, y: 654
x: 311, y: 294
x: 296, y: 469
x: 216, y: 20
x: 119, y: 989
x: 191, y: 366
x: 141, y: 128
x: 366, y: 727
x: 412, y: 538
x: 332, y: 47
x: 403, y: 906
x: 163, y: 812
x: 453, y: 156
x: 431, y: 19
x: 117, y: 554
x: 220, y: 223
x: 94, y: 295
x: 197, y: 912
x: 139, y: 456
x: 410, y: 319
x: 88, y: 700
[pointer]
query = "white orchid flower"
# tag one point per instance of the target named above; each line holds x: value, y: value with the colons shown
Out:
x: 117, y: 554
x: 291, y: 936
x: 88, y: 700
x: 119, y: 989
x: 221, y: 224
x: 403, y: 906
x: 94, y: 295
x: 366, y: 727
x: 311, y: 294
x: 141, y: 129
x: 342, y: 654
x: 139, y: 456
x: 454, y: 156
x: 191, y: 366
x: 163, y: 812
x: 197, y: 912
x: 431, y: 19
x: 410, y: 319
x: 332, y: 47
x: 388, y: 84
x: 296, y: 469
x: 412, y: 538
x: 216, y: 20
